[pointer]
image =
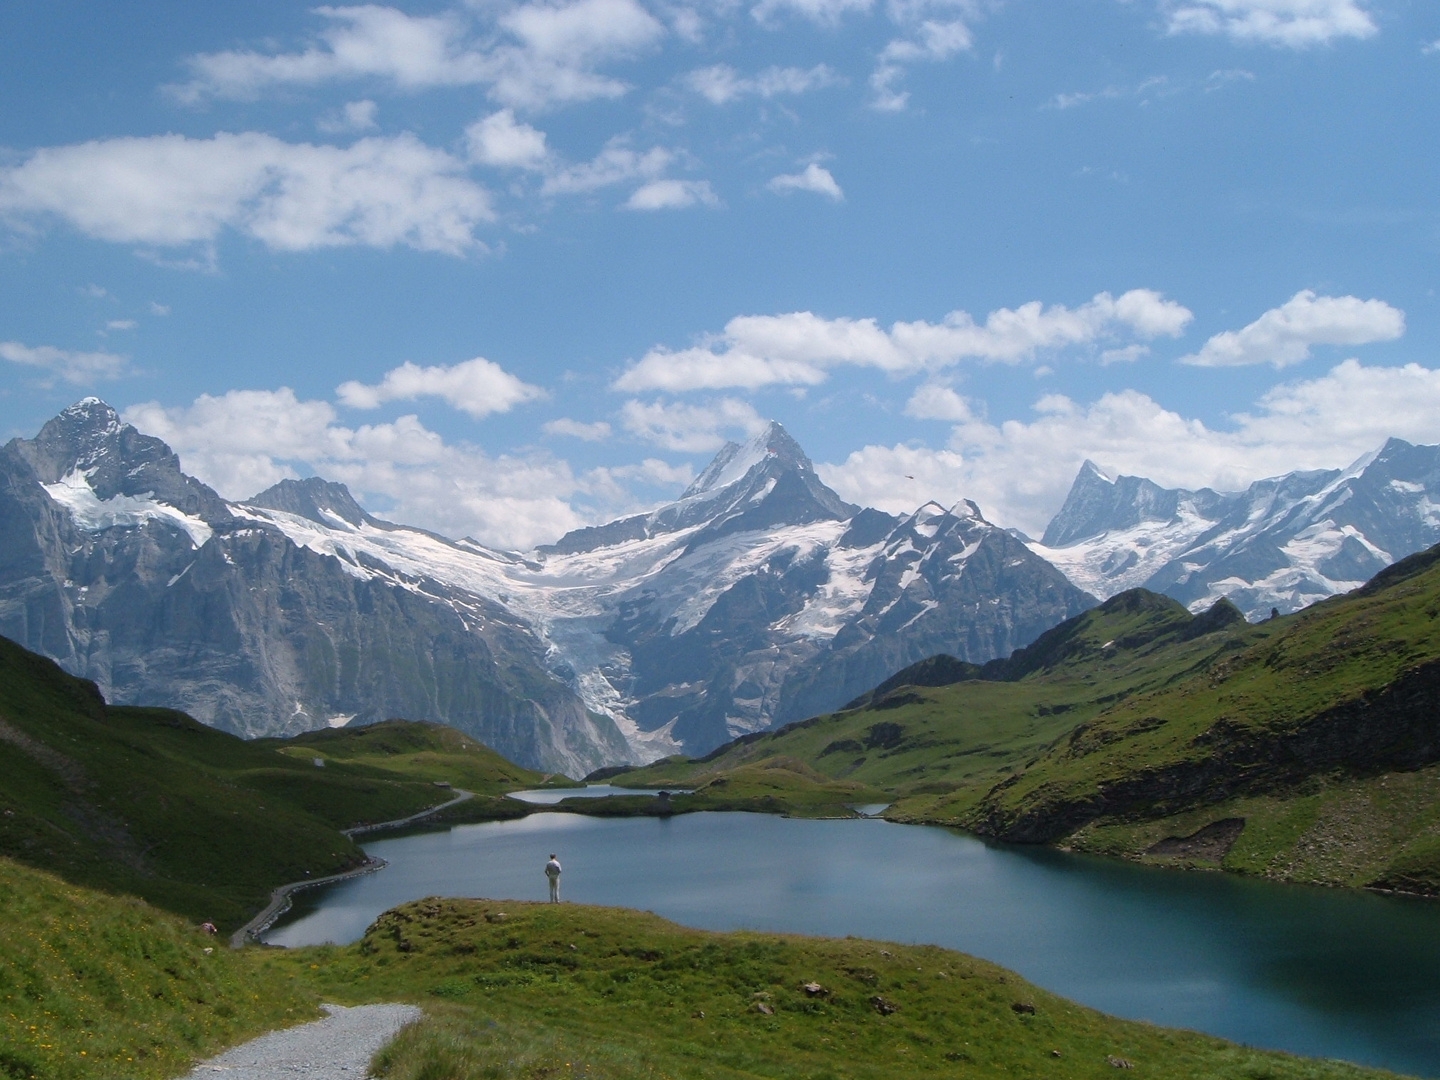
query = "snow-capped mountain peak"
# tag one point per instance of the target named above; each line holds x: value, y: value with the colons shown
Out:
x: 1283, y: 543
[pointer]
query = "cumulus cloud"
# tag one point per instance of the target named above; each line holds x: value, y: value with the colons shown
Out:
x: 244, y: 441
x: 1020, y: 471
x: 690, y: 428
x: 812, y: 178
x: 74, y: 367
x: 352, y: 116
x: 931, y: 40
x: 1295, y: 24
x: 936, y: 401
x: 721, y: 84
x: 824, y: 12
x: 615, y: 164
x: 478, y: 387
x: 170, y: 190
x: 529, y: 55
x: 799, y: 348
x: 1285, y: 335
x: 672, y: 195
x: 500, y: 140
x: 576, y: 429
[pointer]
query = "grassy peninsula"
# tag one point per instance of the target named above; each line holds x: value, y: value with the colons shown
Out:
x: 95, y: 987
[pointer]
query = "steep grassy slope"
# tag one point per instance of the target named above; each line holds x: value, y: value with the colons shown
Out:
x: 96, y: 986
x: 1331, y: 713
x: 940, y: 746
x: 151, y: 802
x: 534, y: 990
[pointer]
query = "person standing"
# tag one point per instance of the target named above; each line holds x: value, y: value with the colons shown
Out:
x: 552, y: 871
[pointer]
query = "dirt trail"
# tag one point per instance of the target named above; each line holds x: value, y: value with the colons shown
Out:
x: 336, y: 1048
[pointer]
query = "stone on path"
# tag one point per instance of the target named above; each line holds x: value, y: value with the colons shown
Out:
x: 336, y: 1048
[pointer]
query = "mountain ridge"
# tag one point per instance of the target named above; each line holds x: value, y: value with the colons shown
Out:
x: 1283, y: 542
x: 680, y: 627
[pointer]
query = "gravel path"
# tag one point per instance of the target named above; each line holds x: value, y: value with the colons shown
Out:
x: 336, y: 1048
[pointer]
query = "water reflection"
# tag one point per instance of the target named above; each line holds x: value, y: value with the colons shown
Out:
x: 1328, y: 973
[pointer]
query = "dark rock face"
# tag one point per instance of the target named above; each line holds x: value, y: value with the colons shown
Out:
x: 248, y: 631
x: 319, y: 500
x: 1284, y: 542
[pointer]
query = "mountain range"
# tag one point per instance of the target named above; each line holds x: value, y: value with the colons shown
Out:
x: 1281, y: 544
x: 757, y: 597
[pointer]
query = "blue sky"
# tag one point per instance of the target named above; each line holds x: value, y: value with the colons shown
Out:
x: 511, y: 267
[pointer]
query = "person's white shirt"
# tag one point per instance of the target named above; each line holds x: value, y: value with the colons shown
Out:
x: 552, y: 868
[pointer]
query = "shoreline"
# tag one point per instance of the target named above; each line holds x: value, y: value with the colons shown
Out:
x: 281, y: 895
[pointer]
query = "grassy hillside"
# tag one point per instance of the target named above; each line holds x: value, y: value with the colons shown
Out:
x: 1305, y: 747
x: 535, y: 990
x: 936, y: 749
x: 153, y: 803
x: 1319, y: 734
x: 96, y: 986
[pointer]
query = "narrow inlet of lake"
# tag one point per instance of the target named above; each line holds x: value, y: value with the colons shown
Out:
x: 1321, y: 972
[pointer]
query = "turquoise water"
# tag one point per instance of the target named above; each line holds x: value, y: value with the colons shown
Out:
x: 1322, y: 972
x: 551, y: 796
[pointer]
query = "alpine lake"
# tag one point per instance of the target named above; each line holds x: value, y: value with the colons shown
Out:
x: 1320, y: 972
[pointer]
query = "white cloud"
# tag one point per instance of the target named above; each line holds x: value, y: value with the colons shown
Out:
x: 478, y: 387
x: 824, y: 12
x: 121, y: 324
x: 73, y: 367
x: 812, y: 178
x: 936, y: 401
x: 1284, y: 335
x: 1295, y: 24
x: 244, y: 441
x: 615, y: 164
x: 576, y: 429
x: 690, y: 428
x: 672, y: 195
x: 561, y: 45
x: 931, y: 40
x: 159, y: 309
x: 798, y: 348
x: 352, y: 116
x: 171, y: 190
x: 721, y: 84
x: 1019, y: 472
x: 529, y: 55
x: 499, y: 140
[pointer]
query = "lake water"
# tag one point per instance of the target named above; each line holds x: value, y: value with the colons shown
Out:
x: 551, y: 796
x: 1323, y: 972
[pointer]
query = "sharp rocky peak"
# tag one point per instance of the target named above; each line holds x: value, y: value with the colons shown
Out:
x: 1100, y: 503
x: 761, y: 484
x: 772, y: 447
x: 320, y: 500
x: 91, y: 439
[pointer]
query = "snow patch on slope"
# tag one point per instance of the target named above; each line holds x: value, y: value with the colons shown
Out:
x: 90, y: 512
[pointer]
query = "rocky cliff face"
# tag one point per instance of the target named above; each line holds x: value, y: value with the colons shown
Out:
x: 1282, y: 543
x: 130, y: 573
x: 758, y: 597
